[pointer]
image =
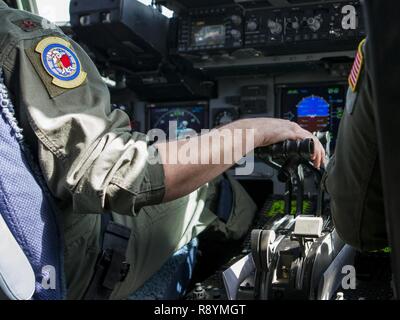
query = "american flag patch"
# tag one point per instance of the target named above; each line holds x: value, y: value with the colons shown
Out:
x: 357, y: 68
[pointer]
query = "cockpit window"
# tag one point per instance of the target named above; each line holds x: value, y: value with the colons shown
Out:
x: 166, y: 12
x: 54, y: 11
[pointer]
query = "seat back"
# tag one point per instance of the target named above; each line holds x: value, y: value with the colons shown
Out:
x: 28, y: 216
x: 17, y: 279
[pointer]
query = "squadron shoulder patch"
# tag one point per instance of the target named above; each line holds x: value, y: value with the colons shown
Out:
x: 355, y: 73
x: 61, y: 62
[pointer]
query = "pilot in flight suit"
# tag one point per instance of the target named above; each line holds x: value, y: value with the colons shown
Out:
x: 353, y: 177
x: 93, y: 163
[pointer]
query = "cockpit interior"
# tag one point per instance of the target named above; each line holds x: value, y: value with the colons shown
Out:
x: 203, y: 64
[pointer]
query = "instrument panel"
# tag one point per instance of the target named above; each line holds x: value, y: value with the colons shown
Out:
x: 319, y: 27
x: 316, y: 107
x: 329, y: 26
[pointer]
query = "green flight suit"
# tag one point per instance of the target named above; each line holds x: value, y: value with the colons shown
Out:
x: 93, y: 164
x: 354, y: 178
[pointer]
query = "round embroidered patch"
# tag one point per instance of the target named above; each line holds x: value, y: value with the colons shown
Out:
x: 61, y: 62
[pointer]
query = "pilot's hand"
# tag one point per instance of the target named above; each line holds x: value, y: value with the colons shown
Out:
x: 270, y: 131
x: 318, y: 157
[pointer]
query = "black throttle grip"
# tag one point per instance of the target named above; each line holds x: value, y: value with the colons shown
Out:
x: 287, y: 149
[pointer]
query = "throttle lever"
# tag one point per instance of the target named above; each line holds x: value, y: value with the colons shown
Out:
x: 287, y: 149
x: 261, y: 241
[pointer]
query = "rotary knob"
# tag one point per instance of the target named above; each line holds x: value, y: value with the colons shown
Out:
x: 236, y: 20
x: 296, y: 25
x: 252, y: 26
x: 275, y: 27
x: 314, y: 24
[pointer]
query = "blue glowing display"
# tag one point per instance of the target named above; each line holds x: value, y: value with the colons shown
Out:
x: 316, y: 108
x: 313, y: 106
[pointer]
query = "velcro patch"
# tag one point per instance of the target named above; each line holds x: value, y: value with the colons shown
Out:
x: 61, y: 62
x: 57, y: 64
x: 27, y: 25
x: 355, y: 73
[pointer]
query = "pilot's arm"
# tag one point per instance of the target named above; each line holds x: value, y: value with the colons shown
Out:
x: 354, y: 180
x: 86, y: 151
